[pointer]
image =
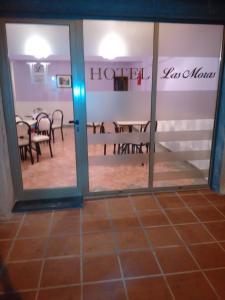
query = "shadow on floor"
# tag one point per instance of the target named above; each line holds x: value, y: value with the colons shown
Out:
x: 9, y: 293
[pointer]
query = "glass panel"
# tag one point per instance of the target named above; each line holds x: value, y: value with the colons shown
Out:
x: 186, y: 97
x: 118, y: 67
x: 39, y: 57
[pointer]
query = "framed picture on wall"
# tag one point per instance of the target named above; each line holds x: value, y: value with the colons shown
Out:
x: 63, y: 81
x: 120, y: 83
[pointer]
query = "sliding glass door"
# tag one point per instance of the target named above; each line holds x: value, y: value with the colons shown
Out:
x: 42, y: 106
x: 187, y: 83
x: 118, y: 77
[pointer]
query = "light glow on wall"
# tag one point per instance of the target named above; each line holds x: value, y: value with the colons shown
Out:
x: 37, y: 47
x: 112, y: 46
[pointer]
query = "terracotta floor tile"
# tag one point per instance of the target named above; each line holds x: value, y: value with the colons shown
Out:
x: 217, y: 229
x: 101, y: 267
x: 190, y: 286
x: 206, y: 191
x: 98, y: 243
x: 104, y: 291
x: 163, y: 236
x: 147, y: 289
x: 4, y: 248
x: 20, y: 276
x: 68, y: 293
x: 195, y: 200
x: 223, y: 244
x: 19, y: 296
x: 180, y: 216
x: 144, y: 202
x: 208, y: 255
x: 38, y: 217
x: 8, y: 230
x: 72, y: 212
x: 138, y: 263
x: 170, y: 202
x: 216, y: 199
x: 153, y: 218
x: 61, y: 272
x: 165, y: 194
x: 124, y: 221
x: 64, y: 245
x: 28, y: 249
x: 217, y: 278
x: 96, y: 223
x: 16, y: 217
x: 194, y: 233
x: 131, y: 239
x: 35, y: 225
x: 207, y: 213
x: 95, y: 207
x: 175, y: 259
x: 188, y: 192
x: 119, y: 205
x: 221, y: 208
x: 65, y: 226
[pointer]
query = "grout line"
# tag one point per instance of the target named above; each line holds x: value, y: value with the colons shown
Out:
x: 152, y: 249
x: 117, y: 251
x: 189, y: 251
x: 45, y: 255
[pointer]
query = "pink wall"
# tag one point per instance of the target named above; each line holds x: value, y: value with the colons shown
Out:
x: 47, y: 90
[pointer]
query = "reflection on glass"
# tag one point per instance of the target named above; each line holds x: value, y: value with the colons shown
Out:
x: 186, y: 98
x: 39, y: 57
x: 118, y: 66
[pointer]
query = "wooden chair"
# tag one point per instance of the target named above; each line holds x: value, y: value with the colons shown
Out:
x: 24, y: 140
x: 57, y: 123
x: 43, y: 134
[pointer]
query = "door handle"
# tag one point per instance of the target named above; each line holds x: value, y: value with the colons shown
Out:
x: 76, y: 122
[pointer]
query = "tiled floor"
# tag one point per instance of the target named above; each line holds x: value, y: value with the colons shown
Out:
x: 151, y: 247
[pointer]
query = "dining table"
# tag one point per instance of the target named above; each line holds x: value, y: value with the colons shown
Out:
x: 131, y: 124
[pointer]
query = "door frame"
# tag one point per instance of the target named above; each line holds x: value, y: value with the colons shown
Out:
x: 78, y: 95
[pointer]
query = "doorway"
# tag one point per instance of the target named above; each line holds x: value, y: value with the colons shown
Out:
x: 138, y: 106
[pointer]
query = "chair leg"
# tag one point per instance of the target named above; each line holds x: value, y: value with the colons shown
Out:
x: 62, y: 134
x: 50, y: 147
x: 104, y: 149
x: 31, y: 155
x: 53, y: 135
x: 37, y: 150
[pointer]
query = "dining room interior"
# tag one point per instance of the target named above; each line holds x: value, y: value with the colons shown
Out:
x: 127, y: 142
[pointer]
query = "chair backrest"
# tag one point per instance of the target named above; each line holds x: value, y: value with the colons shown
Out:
x: 44, y: 125
x: 57, y: 117
x: 41, y: 115
x: 18, y: 118
x: 146, y: 128
x: 23, y: 130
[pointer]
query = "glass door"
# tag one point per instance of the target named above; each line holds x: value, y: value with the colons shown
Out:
x: 187, y: 87
x: 118, y: 75
x: 44, y: 83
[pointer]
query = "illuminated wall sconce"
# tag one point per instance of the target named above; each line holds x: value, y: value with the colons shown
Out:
x: 38, y: 71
